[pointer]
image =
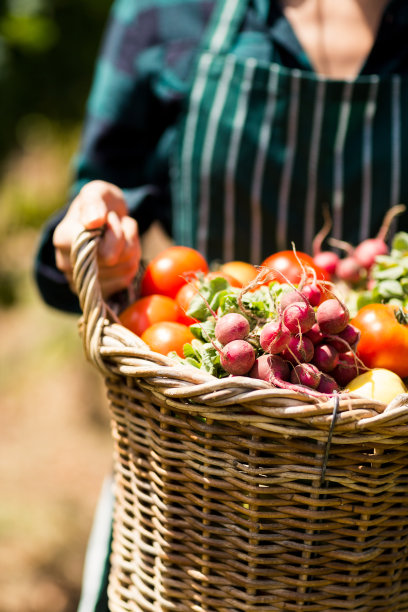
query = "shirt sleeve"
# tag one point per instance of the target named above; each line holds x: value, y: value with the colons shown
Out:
x: 139, y: 84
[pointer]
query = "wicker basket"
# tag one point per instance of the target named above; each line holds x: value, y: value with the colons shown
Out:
x: 233, y: 496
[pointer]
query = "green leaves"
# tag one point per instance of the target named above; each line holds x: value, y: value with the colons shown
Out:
x: 216, y: 295
x: 390, y: 275
x: 205, y: 356
x: 208, y: 298
x: 216, y: 298
x: 400, y: 242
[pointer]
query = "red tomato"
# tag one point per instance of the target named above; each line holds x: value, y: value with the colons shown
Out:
x: 167, y: 336
x: 384, y: 341
x: 148, y: 310
x: 240, y: 270
x: 286, y: 266
x: 186, y: 293
x: 183, y: 299
x: 171, y: 269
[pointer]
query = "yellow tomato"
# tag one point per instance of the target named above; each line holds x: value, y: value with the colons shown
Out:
x: 241, y: 270
x: 378, y: 384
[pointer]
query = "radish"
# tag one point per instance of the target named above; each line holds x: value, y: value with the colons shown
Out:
x: 367, y: 251
x: 370, y: 284
x: 327, y: 384
x: 270, y: 368
x: 306, y: 374
x: 326, y: 260
x: 275, y: 370
x: 290, y: 297
x: 332, y: 316
x: 347, y: 369
x: 300, y: 349
x: 237, y: 357
x: 298, y: 317
x: 274, y: 337
x: 350, y: 334
x: 346, y: 339
x: 231, y: 326
x: 315, y: 334
x: 325, y: 357
x: 349, y: 270
x: 312, y: 294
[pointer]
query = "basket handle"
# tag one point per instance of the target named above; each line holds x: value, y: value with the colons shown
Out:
x: 95, y: 312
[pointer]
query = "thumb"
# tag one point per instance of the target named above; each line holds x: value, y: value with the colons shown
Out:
x: 94, y: 214
x: 96, y: 199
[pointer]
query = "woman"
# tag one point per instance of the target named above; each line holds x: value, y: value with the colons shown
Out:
x: 233, y: 122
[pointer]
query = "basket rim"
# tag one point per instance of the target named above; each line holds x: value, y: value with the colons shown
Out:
x: 118, y: 352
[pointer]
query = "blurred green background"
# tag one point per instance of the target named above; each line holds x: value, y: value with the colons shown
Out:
x: 47, y: 54
x: 54, y: 423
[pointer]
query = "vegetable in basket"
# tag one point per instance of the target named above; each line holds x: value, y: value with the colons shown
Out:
x: 242, y: 271
x: 148, y: 310
x: 273, y: 332
x: 378, y: 384
x: 356, y: 268
x: 167, y: 336
x: 384, y: 337
x: 170, y: 269
x: 389, y: 276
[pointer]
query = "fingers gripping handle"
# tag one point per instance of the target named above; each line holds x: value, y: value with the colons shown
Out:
x: 94, y: 309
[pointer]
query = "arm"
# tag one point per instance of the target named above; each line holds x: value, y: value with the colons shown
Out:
x: 126, y: 124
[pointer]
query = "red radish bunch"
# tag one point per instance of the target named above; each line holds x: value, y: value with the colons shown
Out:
x: 355, y: 267
x: 309, y: 349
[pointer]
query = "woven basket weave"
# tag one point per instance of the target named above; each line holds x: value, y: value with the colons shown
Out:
x: 231, y: 495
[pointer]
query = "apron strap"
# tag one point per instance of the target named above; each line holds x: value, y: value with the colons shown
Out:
x: 224, y: 24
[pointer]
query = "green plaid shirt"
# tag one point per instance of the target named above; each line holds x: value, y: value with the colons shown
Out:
x: 141, y: 80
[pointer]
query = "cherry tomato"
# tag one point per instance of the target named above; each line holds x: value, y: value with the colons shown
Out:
x: 240, y: 270
x: 183, y: 298
x: 171, y: 269
x: 148, y: 310
x: 286, y: 267
x: 384, y: 340
x: 167, y: 336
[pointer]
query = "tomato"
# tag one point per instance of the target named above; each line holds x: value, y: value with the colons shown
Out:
x: 286, y: 266
x: 186, y: 293
x: 234, y: 282
x: 167, y: 336
x: 148, y: 310
x: 240, y: 270
x: 384, y: 341
x: 171, y: 269
x: 183, y: 298
x: 378, y: 384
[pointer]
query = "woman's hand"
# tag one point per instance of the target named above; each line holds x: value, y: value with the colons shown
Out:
x: 100, y: 203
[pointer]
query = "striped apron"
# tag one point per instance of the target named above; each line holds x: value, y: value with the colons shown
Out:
x: 262, y: 148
